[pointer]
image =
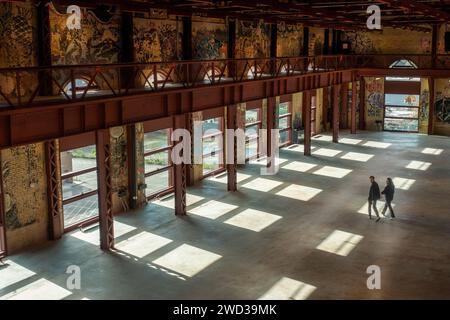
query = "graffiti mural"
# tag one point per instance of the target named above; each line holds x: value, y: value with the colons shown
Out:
x: 252, y: 40
x: 157, y: 40
x: 119, y: 176
x: 209, y: 40
x: 361, y: 42
x: 290, y: 40
x: 16, y: 30
x: 424, y: 105
x: 374, y: 98
x: 442, y: 107
x: 316, y: 41
x: 24, y: 181
x: 94, y: 42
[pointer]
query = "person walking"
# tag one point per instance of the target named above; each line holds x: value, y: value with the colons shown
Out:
x: 374, y: 196
x: 388, y: 192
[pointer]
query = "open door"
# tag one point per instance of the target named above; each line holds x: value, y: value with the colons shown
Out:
x: 2, y: 222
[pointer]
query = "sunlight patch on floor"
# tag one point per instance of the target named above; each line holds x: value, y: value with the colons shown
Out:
x: 403, y: 183
x: 261, y: 184
x: 299, y: 166
x: 299, y: 192
x: 142, y: 244
x: 418, y: 165
x: 356, y: 156
x: 332, y: 172
x: 11, y: 273
x: 254, y: 220
x: 340, y: 243
x: 432, y: 151
x: 93, y: 236
x: 187, y: 260
x: 326, y: 152
x: 289, y: 289
x: 41, y: 289
x: 212, y: 209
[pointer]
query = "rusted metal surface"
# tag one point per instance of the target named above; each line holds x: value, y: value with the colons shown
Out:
x: 307, y: 113
x: 353, y: 108
x: 336, y: 90
x: 55, y: 215
x: 106, y: 218
x: 232, y: 144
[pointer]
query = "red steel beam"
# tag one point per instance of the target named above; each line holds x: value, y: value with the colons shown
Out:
x: 21, y: 126
x: 417, y: 7
x: 180, y: 182
x: 232, y: 147
x: 106, y: 217
x: 307, y: 131
x: 432, y: 106
x: 353, y: 108
x: 336, y: 90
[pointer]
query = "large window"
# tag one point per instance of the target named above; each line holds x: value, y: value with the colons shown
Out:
x: 253, y: 124
x: 79, y: 186
x: 212, y: 142
x: 285, y: 123
x: 401, y: 112
x: 158, y: 162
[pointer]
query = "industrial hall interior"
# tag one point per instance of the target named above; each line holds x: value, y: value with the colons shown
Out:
x: 241, y: 150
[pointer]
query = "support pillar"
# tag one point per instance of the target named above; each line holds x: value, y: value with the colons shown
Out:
x: 132, y: 173
x: 325, y: 106
x: 307, y: 133
x: 362, y: 103
x: 179, y: 122
x: 106, y: 218
x: 3, y: 250
x: 44, y: 47
x: 344, y: 107
x: 432, y: 111
x: 434, y: 45
x: 353, y: 108
x: 54, y: 193
x: 232, y: 148
x: 271, y: 124
x: 336, y: 90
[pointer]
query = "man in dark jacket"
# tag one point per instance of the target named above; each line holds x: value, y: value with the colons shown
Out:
x: 374, y: 196
x: 388, y: 192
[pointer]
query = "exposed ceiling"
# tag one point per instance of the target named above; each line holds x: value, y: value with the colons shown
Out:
x: 345, y: 14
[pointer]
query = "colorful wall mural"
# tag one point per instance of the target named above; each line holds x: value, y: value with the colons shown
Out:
x: 94, y: 42
x: 157, y: 39
x: 442, y: 106
x: 209, y: 39
x: 374, y: 95
x: 316, y: 41
x: 252, y: 40
x: 289, y: 40
x: 18, y: 31
x: 25, y: 195
x: 119, y: 166
x: 424, y: 106
x: 388, y: 41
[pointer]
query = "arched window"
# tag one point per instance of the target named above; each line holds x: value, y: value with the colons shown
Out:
x: 209, y: 74
x: 81, y: 84
x: 161, y: 78
x: 403, y: 64
x: 254, y: 73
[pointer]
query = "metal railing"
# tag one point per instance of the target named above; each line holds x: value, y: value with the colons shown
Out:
x: 28, y: 86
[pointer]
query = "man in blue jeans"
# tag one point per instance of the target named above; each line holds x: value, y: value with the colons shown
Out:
x: 374, y: 196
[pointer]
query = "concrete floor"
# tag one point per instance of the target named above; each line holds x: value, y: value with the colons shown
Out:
x: 261, y: 243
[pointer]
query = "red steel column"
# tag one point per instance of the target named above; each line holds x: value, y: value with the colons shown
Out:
x: 353, y: 109
x: 362, y: 104
x: 307, y: 132
x: 53, y: 168
x: 432, y: 106
x: 336, y: 90
x: 271, y: 123
x: 344, y: 107
x: 232, y: 146
x: 106, y: 220
x: 3, y: 250
x: 180, y: 172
